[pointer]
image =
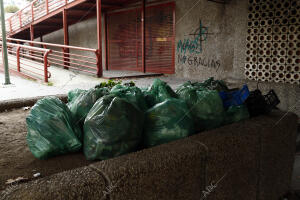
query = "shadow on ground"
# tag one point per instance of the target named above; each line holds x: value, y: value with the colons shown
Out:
x: 15, y: 158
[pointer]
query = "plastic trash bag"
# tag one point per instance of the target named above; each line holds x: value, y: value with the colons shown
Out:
x: 189, y: 84
x: 212, y: 84
x: 81, y: 105
x: 112, y: 128
x: 51, y: 129
x: 132, y: 94
x: 236, y: 114
x: 166, y: 122
x: 158, y: 92
x: 73, y: 94
x: 205, y: 105
x: 209, y: 84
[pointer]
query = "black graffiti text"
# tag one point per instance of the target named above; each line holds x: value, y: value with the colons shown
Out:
x: 199, y: 61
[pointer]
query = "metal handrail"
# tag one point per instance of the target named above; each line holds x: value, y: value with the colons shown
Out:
x: 35, y: 10
x: 53, y: 45
x: 33, y: 54
x: 78, y: 58
x: 27, y: 47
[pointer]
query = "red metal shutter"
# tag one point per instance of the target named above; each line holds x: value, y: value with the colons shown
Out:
x: 125, y: 39
x: 160, y: 38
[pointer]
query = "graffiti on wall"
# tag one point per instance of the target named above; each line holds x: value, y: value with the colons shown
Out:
x: 195, y: 45
x: 198, y: 61
x: 188, y: 50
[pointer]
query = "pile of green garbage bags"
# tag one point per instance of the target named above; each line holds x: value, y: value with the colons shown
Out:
x: 114, y: 119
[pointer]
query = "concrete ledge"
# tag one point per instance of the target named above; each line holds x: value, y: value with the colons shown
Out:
x: 19, y: 103
x: 277, y: 156
x: 256, y: 155
x: 247, y: 160
x: 172, y: 171
x: 233, y: 154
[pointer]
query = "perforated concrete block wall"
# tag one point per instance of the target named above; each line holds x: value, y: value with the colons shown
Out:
x: 273, y: 41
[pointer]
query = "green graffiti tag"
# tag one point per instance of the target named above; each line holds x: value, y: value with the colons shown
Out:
x: 193, y: 46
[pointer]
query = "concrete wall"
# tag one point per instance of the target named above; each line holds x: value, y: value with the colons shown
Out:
x: 82, y: 34
x: 214, y: 36
x: 223, y: 50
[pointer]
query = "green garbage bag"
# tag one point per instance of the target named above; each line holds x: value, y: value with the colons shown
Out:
x: 132, y: 94
x: 51, y: 129
x: 166, y: 122
x: 158, y: 92
x: 212, y: 84
x: 209, y: 84
x: 112, y: 128
x: 205, y: 105
x: 235, y: 114
x: 189, y: 84
x: 81, y: 105
x: 73, y: 94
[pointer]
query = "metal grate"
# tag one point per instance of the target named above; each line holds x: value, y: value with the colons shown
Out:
x: 273, y: 41
x: 125, y: 39
x: 160, y: 37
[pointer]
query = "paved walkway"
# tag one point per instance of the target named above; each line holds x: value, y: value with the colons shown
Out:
x: 23, y: 88
x: 63, y: 81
